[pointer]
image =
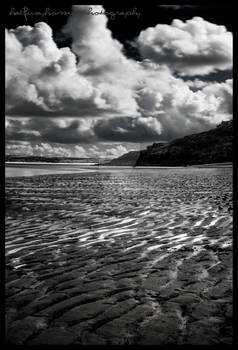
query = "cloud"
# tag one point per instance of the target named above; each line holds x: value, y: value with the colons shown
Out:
x: 178, y: 7
x: 128, y: 129
x: 213, y: 102
x: 190, y: 111
x: 44, y: 149
x: 92, y: 41
x: 97, y: 94
x: 41, y: 150
x: 194, y: 47
x: 39, y: 76
x: 43, y: 80
x: 111, y: 152
x: 102, y: 60
x: 98, y: 151
x: 63, y: 131
x: 168, y: 110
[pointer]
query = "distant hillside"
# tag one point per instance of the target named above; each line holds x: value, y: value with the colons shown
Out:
x: 129, y: 158
x: 10, y: 158
x: 213, y: 146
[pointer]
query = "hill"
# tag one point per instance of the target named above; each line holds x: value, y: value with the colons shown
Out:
x: 213, y: 146
x: 11, y: 158
x: 129, y: 158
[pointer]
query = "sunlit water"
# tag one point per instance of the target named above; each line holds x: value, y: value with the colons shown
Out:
x: 15, y: 170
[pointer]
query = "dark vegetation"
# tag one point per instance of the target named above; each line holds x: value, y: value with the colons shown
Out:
x: 213, y: 146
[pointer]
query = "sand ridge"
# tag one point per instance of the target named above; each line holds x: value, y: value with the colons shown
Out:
x: 120, y: 258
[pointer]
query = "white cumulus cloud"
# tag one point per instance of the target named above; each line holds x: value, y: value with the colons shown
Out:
x: 194, y: 47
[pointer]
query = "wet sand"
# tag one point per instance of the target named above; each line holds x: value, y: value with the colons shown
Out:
x: 127, y: 257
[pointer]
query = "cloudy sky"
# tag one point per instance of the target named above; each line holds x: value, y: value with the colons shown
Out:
x: 89, y: 84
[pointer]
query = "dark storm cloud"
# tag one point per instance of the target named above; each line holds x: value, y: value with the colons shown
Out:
x: 48, y: 130
x: 68, y: 135
x: 71, y: 108
x: 128, y: 129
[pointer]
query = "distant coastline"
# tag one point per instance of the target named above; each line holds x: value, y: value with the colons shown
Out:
x: 208, y: 165
x: 213, y: 165
x: 48, y: 163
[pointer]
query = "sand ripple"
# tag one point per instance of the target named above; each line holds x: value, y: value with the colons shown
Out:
x: 93, y: 250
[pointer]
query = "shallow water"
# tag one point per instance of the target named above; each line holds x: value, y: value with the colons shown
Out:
x: 123, y: 237
x: 16, y: 170
x: 27, y: 169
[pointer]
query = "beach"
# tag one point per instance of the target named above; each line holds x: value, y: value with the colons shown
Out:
x: 120, y: 257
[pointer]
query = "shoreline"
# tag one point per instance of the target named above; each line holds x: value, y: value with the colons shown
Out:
x: 47, y: 163
x: 209, y: 165
x: 214, y: 165
x: 13, y: 170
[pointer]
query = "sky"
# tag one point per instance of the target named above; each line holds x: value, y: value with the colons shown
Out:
x: 100, y: 80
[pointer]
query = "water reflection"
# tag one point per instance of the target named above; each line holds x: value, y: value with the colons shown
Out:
x: 18, y: 170
x: 31, y: 170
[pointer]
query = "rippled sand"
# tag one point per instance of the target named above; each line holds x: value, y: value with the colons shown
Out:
x: 128, y: 257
